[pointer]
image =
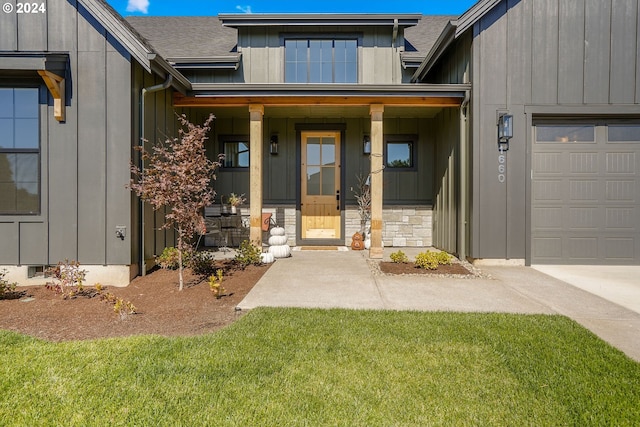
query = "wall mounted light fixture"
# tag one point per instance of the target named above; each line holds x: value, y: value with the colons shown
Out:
x: 366, y: 144
x: 505, y: 131
x: 273, y: 144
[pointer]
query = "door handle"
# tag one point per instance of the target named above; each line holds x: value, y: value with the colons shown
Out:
x: 338, y: 200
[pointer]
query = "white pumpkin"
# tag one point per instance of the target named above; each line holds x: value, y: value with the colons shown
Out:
x: 266, y: 258
x: 277, y: 231
x: 278, y: 240
x: 282, y: 251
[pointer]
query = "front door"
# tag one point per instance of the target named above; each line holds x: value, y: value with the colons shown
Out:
x: 320, y: 189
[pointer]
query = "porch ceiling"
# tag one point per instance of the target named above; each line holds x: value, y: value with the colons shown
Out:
x: 325, y: 112
x: 406, y: 100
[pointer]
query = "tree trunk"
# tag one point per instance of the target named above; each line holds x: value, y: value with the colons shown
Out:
x: 180, y: 259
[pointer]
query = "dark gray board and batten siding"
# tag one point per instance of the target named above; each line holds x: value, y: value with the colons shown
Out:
x: 85, y: 159
x: 579, y: 57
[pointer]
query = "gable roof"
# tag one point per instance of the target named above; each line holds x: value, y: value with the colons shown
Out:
x: 191, y: 37
x: 132, y: 41
x: 452, y: 31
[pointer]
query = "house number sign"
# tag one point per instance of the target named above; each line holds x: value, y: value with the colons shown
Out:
x: 502, y: 167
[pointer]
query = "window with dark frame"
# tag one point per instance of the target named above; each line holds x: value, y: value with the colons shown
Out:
x: 320, y: 60
x: 400, y: 153
x: 19, y: 150
x: 236, y: 152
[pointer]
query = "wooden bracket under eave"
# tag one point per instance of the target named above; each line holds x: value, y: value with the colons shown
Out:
x: 55, y: 84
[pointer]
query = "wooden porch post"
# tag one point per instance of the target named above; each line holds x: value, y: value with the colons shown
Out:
x: 256, y: 111
x: 377, y: 145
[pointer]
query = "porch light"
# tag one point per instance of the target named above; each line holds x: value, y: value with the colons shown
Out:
x: 366, y: 144
x: 273, y: 144
x: 505, y: 131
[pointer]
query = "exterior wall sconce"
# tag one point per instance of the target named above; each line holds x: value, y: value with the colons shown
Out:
x: 273, y: 144
x: 505, y: 131
x: 366, y: 144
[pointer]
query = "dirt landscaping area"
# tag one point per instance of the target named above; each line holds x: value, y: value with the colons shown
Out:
x: 160, y: 308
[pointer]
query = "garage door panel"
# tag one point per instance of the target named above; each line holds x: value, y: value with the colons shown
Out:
x: 582, y: 248
x: 621, y: 163
x: 621, y: 218
x: 584, y: 163
x: 619, y: 190
x: 549, y: 163
x: 621, y: 248
x: 585, y: 201
x: 548, y: 190
x: 584, y: 190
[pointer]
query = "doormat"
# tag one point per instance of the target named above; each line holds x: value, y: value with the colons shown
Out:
x: 322, y: 248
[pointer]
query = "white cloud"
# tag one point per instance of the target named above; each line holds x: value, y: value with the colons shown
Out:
x: 244, y: 9
x: 138, y: 6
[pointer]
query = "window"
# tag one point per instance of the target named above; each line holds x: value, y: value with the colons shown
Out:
x: 400, y: 152
x: 236, y: 152
x: 624, y: 133
x: 19, y: 150
x: 321, y: 60
x: 565, y: 133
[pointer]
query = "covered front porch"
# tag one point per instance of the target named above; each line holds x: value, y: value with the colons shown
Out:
x: 296, y: 151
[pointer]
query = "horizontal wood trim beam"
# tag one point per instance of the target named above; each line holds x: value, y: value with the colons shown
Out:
x: 180, y: 100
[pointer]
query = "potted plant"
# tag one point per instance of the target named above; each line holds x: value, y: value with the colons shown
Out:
x: 235, y: 201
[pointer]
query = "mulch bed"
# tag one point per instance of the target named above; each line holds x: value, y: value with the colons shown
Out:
x: 160, y: 308
x: 388, y: 267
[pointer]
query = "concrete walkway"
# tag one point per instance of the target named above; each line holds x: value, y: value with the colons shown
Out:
x: 344, y: 279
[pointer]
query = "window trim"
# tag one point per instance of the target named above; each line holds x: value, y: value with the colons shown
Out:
x: 413, y: 139
x: 358, y: 37
x: 224, y: 139
x: 42, y: 102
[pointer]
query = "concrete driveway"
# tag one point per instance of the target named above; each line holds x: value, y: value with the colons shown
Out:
x: 618, y: 284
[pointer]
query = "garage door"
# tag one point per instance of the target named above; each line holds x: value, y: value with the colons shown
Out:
x: 586, y: 194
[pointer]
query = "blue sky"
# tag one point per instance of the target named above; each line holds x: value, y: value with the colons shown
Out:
x: 214, y: 7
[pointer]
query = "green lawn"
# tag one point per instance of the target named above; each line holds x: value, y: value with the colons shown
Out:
x: 339, y: 367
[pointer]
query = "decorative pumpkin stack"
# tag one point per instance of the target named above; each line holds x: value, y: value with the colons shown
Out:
x: 278, y: 243
x: 356, y: 242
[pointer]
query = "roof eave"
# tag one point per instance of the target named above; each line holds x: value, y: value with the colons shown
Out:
x: 346, y: 19
x: 440, y: 46
x: 471, y: 16
x: 288, y: 89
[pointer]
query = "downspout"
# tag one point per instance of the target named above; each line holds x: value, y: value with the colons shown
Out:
x: 143, y: 93
x: 394, y: 39
x: 462, y: 214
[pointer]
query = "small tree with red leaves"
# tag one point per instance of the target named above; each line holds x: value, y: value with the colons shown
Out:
x: 178, y: 177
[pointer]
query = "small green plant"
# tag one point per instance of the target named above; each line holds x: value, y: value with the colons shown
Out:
x: 430, y: 260
x: 67, y: 279
x: 5, y: 286
x: 399, y: 257
x: 236, y: 200
x: 215, y: 284
x: 168, y: 259
x: 248, y: 254
x: 427, y: 260
x: 443, y: 258
x: 203, y: 263
x: 120, y: 306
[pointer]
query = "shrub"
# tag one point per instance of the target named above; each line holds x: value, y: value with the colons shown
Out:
x: 427, y: 260
x: 168, y: 259
x: 399, y: 257
x: 248, y: 254
x: 215, y: 284
x: 67, y: 279
x: 120, y: 307
x: 5, y: 287
x: 430, y: 260
x: 443, y: 258
x: 202, y: 263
